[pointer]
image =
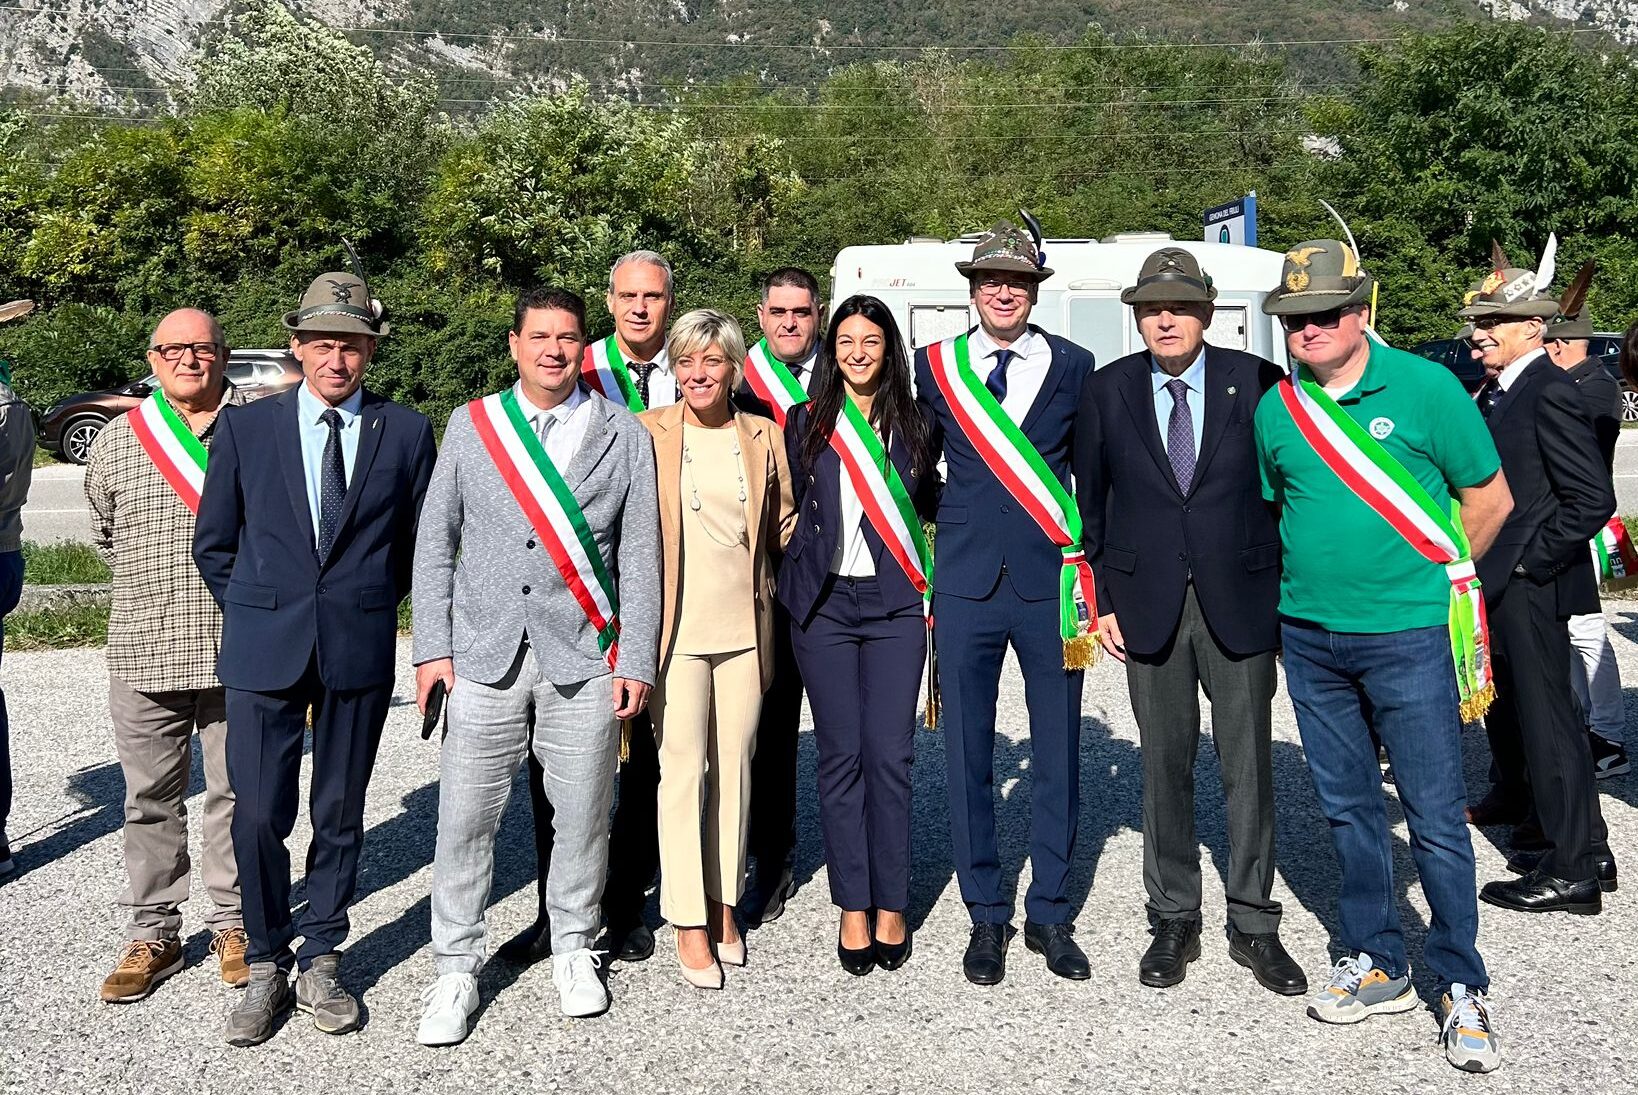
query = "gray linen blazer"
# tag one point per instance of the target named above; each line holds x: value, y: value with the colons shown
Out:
x: 483, y: 582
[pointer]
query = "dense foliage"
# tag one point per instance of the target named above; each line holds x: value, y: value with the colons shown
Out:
x: 293, y: 137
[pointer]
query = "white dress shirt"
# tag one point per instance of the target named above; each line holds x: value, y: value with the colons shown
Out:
x: 569, y: 421
x: 852, y: 558
x: 662, y: 386
x: 1507, y: 376
x: 1025, y: 372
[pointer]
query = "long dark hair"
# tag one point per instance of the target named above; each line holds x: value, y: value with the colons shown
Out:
x: 893, y: 412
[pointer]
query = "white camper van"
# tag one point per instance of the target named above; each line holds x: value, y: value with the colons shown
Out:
x: 1081, y: 300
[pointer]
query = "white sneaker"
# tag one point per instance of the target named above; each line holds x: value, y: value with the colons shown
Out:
x: 578, y: 986
x: 1470, y: 1041
x: 450, y: 1002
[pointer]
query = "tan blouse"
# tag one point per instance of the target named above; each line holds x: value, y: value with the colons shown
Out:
x: 718, y: 600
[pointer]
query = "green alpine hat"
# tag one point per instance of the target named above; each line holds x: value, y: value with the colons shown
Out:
x: 1573, y: 321
x: 1005, y: 248
x: 1510, y: 292
x: 1171, y: 273
x: 1319, y: 275
x: 338, y: 303
x: 1569, y: 328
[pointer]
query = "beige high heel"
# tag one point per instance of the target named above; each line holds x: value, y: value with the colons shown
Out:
x: 708, y: 978
x: 732, y: 954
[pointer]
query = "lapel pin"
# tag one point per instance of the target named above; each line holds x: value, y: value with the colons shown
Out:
x: 1232, y: 389
x: 376, y: 424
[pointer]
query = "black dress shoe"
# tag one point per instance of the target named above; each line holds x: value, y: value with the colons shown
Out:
x: 857, y: 962
x: 1539, y: 892
x: 1528, y: 837
x: 765, y: 900
x: 1064, y: 956
x: 1263, y: 954
x: 890, y: 956
x: 629, y: 943
x: 1176, y: 943
x: 985, y: 962
x: 1604, y: 863
x: 528, y: 946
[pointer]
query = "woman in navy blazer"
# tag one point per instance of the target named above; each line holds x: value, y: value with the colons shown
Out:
x: 857, y: 626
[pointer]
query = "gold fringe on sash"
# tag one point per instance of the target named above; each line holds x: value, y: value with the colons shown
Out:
x: 1081, y: 652
x: 625, y: 740
x: 1474, y: 707
x: 930, y: 713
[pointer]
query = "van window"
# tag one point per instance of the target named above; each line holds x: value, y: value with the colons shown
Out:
x: 930, y: 323
x: 1099, y: 324
x: 1228, y: 328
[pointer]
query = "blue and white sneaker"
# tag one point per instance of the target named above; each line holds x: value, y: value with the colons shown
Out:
x: 1469, y: 1039
x: 1358, y: 990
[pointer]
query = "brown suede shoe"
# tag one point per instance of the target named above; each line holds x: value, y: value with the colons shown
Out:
x: 143, y: 964
x: 229, y: 947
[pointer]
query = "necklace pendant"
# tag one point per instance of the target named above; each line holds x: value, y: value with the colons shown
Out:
x: 742, y: 494
x: 694, y: 503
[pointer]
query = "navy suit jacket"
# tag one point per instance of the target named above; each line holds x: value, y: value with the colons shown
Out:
x: 254, y: 545
x: 981, y: 529
x: 1145, y: 537
x: 808, y: 557
x: 1562, y: 493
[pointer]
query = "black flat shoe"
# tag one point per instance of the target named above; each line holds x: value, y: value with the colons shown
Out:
x: 1539, y: 892
x: 890, y: 956
x: 1176, y: 943
x: 629, y: 942
x: 531, y: 945
x: 985, y: 962
x: 1055, y: 942
x: 1604, y: 862
x: 857, y: 962
x: 1266, y: 958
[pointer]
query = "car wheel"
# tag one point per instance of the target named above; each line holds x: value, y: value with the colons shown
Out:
x: 78, y: 435
x: 1629, y: 406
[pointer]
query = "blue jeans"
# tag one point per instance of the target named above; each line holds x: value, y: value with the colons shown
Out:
x: 1402, y: 685
x: 11, y: 589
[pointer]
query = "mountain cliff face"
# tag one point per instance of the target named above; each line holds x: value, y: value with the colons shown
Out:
x: 126, y: 54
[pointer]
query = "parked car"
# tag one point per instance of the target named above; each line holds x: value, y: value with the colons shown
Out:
x: 1456, y: 354
x: 69, y: 425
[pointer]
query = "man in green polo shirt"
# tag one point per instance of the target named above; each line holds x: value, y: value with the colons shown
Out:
x: 1362, y: 450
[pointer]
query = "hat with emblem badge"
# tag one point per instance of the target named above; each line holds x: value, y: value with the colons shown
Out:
x: 340, y: 303
x: 1006, y: 248
x: 1512, y: 292
x: 1170, y: 274
x: 1319, y: 275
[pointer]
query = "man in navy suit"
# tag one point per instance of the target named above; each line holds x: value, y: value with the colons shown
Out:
x: 1186, y: 556
x: 997, y: 582
x: 305, y: 537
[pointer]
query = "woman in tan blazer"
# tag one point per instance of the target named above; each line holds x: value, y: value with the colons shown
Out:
x: 725, y: 515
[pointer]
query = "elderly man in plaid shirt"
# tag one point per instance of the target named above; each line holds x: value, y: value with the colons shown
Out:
x: 142, y: 481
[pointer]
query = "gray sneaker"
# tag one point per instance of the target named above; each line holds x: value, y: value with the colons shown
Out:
x: 267, y: 996
x: 1357, y: 990
x: 319, y: 994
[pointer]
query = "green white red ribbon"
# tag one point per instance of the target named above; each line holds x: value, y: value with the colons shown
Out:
x: 603, y: 368
x: 773, y: 382
x: 175, y: 451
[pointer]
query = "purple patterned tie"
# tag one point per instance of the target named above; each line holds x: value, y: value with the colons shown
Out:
x: 1180, y: 434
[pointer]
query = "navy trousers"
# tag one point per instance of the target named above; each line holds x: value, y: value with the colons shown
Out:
x: 864, y: 723
x: 11, y: 591
x: 264, y: 747
x: 972, y: 637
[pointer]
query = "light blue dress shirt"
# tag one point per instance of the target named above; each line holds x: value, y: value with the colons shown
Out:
x: 1195, y: 377
x: 314, y: 434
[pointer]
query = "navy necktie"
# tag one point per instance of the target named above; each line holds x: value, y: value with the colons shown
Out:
x: 1180, y: 434
x: 997, y: 382
x: 1488, y: 397
x: 332, y: 484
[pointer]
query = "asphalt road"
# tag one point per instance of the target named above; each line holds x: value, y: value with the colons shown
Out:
x: 792, y: 1021
x: 56, y: 509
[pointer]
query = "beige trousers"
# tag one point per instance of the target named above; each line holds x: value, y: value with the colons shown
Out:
x: 153, y: 735
x: 705, y: 714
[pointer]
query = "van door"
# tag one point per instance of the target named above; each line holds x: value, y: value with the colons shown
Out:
x: 930, y: 323
x: 1098, y: 321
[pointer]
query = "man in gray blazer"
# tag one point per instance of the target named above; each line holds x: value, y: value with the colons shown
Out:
x: 537, y: 604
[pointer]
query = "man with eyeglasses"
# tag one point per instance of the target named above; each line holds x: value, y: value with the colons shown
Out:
x: 1535, y: 578
x: 1002, y: 400
x: 306, y: 537
x: 1363, y: 449
x: 142, y: 481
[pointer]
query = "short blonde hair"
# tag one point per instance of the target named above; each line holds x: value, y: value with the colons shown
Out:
x: 700, y: 330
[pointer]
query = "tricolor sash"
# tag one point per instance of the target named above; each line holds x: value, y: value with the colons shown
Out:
x: 774, y: 384
x: 1613, y: 552
x: 175, y: 451
x: 604, y: 369
x: 552, y: 512
x: 875, y: 482
x: 1015, y: 461
x: 1380, y: 481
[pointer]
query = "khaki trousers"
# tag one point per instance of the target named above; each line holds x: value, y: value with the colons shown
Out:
x: 705, y: 709
x: 153, y: 735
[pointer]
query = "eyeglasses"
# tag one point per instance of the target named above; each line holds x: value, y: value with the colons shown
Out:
x: 1326, y: 320
x: 992, y: 285
x: 172, y: 351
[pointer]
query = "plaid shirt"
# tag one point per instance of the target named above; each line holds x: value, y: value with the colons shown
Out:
x: 165, y: 628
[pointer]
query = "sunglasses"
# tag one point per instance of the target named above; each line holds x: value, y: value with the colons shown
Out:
x: 1326, y: 320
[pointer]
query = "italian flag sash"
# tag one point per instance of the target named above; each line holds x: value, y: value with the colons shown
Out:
x: 552, y: 511
x: 1018, y: 465
x: 175, y: 451
x: 1382, y: 483
x: 605, y: 371
x: 880, y: 490
x: 1613, y: 552
x: 773, y: 383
